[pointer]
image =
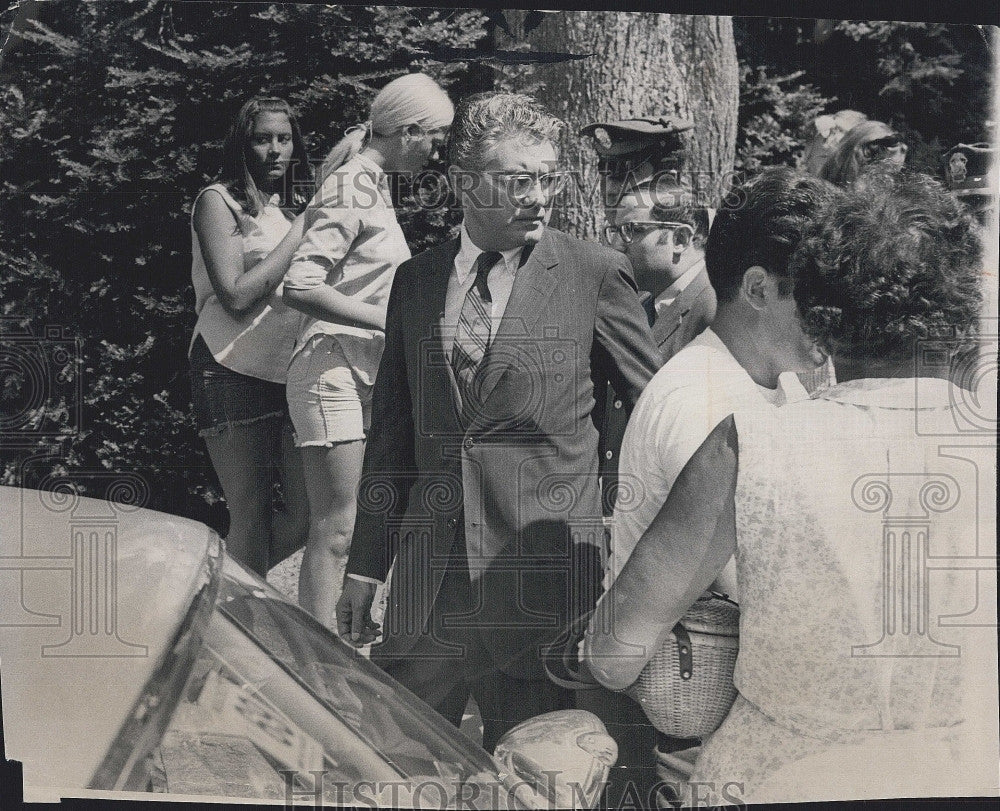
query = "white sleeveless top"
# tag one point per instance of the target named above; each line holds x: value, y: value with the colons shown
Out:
x: 837, y: 499
x: 259, y: 343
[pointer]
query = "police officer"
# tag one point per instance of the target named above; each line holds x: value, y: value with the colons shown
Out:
x: 632, y: 152
x: 655, y: 220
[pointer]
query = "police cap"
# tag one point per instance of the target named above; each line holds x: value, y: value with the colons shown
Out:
x: 621, y: 139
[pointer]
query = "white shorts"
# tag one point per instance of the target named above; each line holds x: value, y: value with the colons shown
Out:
x: 327, y: 401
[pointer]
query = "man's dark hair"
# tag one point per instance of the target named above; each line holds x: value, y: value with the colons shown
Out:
x: 893, y: 262
x: 761, y: 223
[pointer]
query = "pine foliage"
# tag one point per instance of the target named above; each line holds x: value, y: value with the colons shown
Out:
x: 112, y: 118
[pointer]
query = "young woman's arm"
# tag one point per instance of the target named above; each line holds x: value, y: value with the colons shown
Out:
x: 328, y: 241
x: 328, y: 304
x: 222, y: 248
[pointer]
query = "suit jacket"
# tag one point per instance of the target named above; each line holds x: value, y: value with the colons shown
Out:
x: 686, y: 317
x: 677, y: 324
x: 507, y: 480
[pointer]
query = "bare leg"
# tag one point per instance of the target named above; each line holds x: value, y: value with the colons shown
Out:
x: 243, y: 457
x: 332, y: 475
x: 289, y: 526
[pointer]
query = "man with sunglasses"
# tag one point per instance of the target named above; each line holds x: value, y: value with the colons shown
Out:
x: 481, y: 471
x: 654, y: 221
x: 662, y: 232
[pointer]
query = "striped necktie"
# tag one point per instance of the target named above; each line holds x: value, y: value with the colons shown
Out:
x: 474, y: 325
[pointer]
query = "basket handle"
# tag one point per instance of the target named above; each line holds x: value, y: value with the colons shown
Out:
x: 720, y: 596
x: 684, y: 656
x: 685, y: 660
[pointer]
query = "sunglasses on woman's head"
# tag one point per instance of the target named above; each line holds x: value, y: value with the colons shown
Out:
x: 889, y: 142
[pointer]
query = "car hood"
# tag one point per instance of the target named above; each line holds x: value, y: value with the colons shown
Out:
x: 91, y: 595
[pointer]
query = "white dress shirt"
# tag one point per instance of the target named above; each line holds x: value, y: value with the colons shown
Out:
x: 500, y: 281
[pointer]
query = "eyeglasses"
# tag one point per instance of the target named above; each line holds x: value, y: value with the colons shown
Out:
x: 627, y: 232
x: 417, y: 131
x: 520, y: 186
x: 891, y: 143
x: 888, y: 142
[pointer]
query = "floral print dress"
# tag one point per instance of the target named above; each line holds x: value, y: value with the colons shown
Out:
x: 849, y: 686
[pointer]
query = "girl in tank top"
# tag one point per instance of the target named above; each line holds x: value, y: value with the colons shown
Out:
x: 244, y: 230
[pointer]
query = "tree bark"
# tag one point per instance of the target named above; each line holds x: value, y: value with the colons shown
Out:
x: 639, y: 64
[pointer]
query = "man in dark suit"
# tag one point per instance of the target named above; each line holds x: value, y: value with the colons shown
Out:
x: 663, y: 233
x: 481, y: 472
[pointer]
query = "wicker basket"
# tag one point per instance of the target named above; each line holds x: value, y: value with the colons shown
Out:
x: 686, y: 689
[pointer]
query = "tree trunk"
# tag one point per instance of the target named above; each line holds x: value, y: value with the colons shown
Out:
x: 639, y: 64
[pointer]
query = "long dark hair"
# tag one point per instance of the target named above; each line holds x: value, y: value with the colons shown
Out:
x: 297, y: 185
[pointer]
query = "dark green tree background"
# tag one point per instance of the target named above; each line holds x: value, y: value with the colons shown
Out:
x: 930, y: 81
x: 111, y: 119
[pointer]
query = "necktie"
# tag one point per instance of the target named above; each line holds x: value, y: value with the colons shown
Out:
x: 474, y: 325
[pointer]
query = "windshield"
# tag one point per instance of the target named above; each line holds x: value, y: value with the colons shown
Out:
x: 390, y: 719
x: 277, y: 707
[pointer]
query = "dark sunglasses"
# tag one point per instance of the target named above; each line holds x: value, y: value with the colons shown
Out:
x: 889, y: 142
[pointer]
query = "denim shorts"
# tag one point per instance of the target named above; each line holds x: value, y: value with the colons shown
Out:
x: 222, y: 398
x: 327, y: 401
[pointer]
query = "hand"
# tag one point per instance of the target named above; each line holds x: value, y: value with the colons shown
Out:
x: 354, y: 613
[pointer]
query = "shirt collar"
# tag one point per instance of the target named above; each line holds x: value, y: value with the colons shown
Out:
x: 370, y: 166
x: 897, y: 392
x: 377, y: 173
x: 468, y: 253
x: 672, y: 292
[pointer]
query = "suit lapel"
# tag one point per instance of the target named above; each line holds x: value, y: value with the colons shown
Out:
x: 533, y: 286
x: 670, y: 319
x: 431, y: 294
